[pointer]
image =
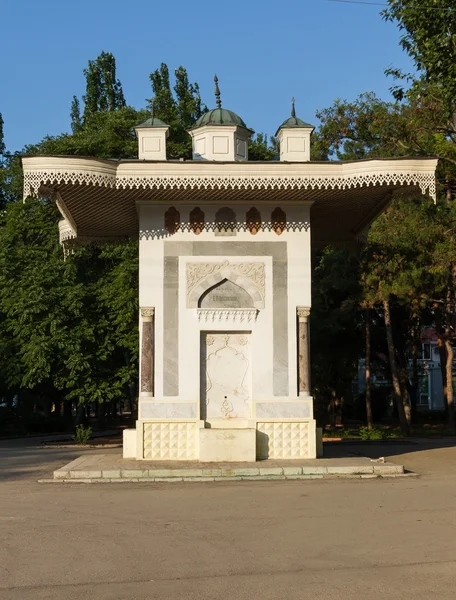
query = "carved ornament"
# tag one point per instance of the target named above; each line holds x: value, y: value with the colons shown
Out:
x: 197, y: 272
x: 303, y: 312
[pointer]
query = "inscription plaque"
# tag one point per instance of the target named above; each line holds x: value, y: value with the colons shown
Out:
x: 226, y: 294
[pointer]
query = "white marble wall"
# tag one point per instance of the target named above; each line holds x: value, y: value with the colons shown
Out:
x: 185, y: 404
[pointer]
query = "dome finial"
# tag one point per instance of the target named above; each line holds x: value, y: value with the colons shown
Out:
x: 152, y: 108
x: 293, y: 113
x: 217, y: 93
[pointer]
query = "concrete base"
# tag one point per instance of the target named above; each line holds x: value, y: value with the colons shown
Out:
x: 184, y: 439
x: 227, y: 445
x: 129, y: 443
x: 111, y: 468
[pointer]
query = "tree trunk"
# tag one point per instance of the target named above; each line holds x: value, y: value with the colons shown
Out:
x: 394, y: 371
x: 368, y: 371
x: 441, y: 346
x: 415, y: 372
x: 449, y: 400
x: 332, y: 411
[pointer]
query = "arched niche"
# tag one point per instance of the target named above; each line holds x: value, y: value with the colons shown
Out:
x: 225, y: 274
x: 196, y: 220
x: 225, y: 221
x: 226, y: 294
x: 278, y: 221
x: 172, y: 220
x: 253, y: 220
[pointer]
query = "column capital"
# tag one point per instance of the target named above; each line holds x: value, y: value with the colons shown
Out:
x: 147, y: 313
x: 303, y: 312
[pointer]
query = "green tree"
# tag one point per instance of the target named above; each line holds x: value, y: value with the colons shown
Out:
x: 103, y: 90
x: 428, y: 37
x: 335, y: 329
x: 262, y: 148
x: 180, y: 110
x: 75, y: 114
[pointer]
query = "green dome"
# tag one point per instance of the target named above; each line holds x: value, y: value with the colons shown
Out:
x: 219, y: 116
x: 294, y: 122
x: 151, y: 122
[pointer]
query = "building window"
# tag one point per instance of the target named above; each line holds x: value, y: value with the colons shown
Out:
x: 225, y: 221
x: 253, y: 220
x: 172, y: 220
x: 197, y: 220
x: 423, y: 390
x: 426, y: 350
x: 278, y: 220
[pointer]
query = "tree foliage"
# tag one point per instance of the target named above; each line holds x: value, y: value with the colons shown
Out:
x: 180, y: 110
x: 428, y: 37
x: 103, y: 90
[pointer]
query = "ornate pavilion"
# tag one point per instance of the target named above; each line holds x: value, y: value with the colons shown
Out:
x: 225, y: 274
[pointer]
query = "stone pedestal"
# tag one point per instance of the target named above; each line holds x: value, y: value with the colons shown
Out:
x: 227, y: 445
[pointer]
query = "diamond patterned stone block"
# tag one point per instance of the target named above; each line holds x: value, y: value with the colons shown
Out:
x: 170, y: 441
x: 282, y: 440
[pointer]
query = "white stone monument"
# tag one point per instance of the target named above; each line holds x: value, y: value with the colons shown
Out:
x: 225, y: 275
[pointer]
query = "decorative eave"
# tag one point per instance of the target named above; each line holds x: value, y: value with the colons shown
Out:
x: 99, y: 198
x: 54, y: 171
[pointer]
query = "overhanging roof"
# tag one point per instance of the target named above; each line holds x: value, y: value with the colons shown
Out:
x: 98, y: 197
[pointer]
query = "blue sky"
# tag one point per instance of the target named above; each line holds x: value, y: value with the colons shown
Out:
x: 264, y: 52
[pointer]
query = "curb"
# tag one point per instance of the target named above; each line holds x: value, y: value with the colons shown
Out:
x: 361, y: 476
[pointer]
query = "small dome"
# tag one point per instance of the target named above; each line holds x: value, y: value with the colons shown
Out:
x: 219, y: 116
x: 151, y: 122
x: 294, y: 122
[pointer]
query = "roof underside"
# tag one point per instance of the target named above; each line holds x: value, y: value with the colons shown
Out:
x: 338, y: 214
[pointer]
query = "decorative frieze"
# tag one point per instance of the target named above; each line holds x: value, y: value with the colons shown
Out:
x: 235, y: 315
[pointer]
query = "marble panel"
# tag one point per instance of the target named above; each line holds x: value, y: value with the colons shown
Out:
x: 280, y: 327
x: 168, y: 410
x: 227, y: 367
x: 278, y: 251
x: 171, y: 327
x: 282, y: 410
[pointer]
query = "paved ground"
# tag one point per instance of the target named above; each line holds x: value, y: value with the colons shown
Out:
x: 373, y: 539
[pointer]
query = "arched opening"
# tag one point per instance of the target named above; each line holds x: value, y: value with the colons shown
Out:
x: 278, y: 221
x: 253, y: 220
x: 197, y: 220
x: 172, y: 220
x: 225, y: 221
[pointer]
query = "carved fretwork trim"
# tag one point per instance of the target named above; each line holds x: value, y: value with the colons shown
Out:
x: 228, y: 314
x: 34, y: 180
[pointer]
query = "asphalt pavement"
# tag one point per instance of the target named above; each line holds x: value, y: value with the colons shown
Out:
x: 370, y: 539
